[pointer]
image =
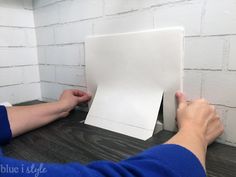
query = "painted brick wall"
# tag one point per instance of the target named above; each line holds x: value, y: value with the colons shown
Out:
x: 210, y: 53
x: 19, y: 73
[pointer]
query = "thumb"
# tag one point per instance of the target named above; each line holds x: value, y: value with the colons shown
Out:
x: 181, y: 100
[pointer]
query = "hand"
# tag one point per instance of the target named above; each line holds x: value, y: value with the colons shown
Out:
x: 69, y: 99
x: 199, y: 117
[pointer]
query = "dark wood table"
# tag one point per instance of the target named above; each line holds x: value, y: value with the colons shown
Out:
x: 68, y: 140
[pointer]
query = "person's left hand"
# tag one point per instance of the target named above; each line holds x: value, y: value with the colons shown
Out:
x: 69, y: 99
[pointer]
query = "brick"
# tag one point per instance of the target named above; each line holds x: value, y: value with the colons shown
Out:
x: 8, y: 37
x: 70, y: 75
x: 42, y: 3
x: 82, y: 55
x: 125, y: 23
x: 204, y: 53
x: 16, y: 17
x: 20, y: 93
x: 46, y: 15
x: 232, y: 55
x: 219, y: 88
x: 192, y: 84
x: 28, y: 4
x: 73, y: 32
x: 11, y: 4
x: 187, y: 15
x: 219, y: 17
x: 80, y: 10
x: 30, y: 92
x: 50, y: 90
x: 47, y: 73
x: 41, y: 55
x: 149, y: 3
x: 30, y: 37
x: 18, y: 56
x: 63, y: 55
x: 119, y: 6
x: 11, y: 76
x: 230, y: 130
x: 45, y: 35
x: 124, y: 6
x: 31, y: 74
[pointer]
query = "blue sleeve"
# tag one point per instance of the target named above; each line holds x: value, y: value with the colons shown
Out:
x: 5, y: 131
x: 159, y: 161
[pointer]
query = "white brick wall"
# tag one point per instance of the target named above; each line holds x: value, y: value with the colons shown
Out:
x: 45, y: 35
x: 219, y: 88
x: 46, y: 16
x: 31, y: 74
x: 64, y: 54
x: 50, y: 90
x: 10, y: 56
x: 70, y: 75
x: 20, y: 4
x: 232, y: 54
x: 125, y: 23
x: 80, y: 10
x: 210, y: 57
x: 31, y: 37
x: 61, y: 28
x: 8, y: 36
x: 113, y: 7
x: 149, y: 3
x: 20, y: 93
x: 11, y: 76
x: 192, y: 84
x: 119, y: 6
x: 16, y: 17
x: 42, y: 3
x: 19, y: 74
x: 47, y: 73
x: 219, y: 17
x: 72, y: 32
x: 186, y: 14
x: 204, y: 53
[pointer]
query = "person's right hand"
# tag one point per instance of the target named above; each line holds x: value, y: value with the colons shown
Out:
x: 200, y: 117
x: 69, y: 99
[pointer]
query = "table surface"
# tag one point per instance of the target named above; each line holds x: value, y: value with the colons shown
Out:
x: 70, y: 140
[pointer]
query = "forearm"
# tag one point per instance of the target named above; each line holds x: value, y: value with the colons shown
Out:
x: 26, y: 118
x: 193, y: 141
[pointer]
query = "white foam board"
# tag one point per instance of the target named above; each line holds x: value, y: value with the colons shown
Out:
x: 127, y: 75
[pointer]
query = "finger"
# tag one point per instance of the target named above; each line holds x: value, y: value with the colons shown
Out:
x: 181, y: 100
x: 84, y: 98
x: 216, y: 131
x: 212, y: 123
x: 78, y: 92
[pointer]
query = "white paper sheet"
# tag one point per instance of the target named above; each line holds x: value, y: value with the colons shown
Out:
x: 129, y: 73
x: 133, y: 118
